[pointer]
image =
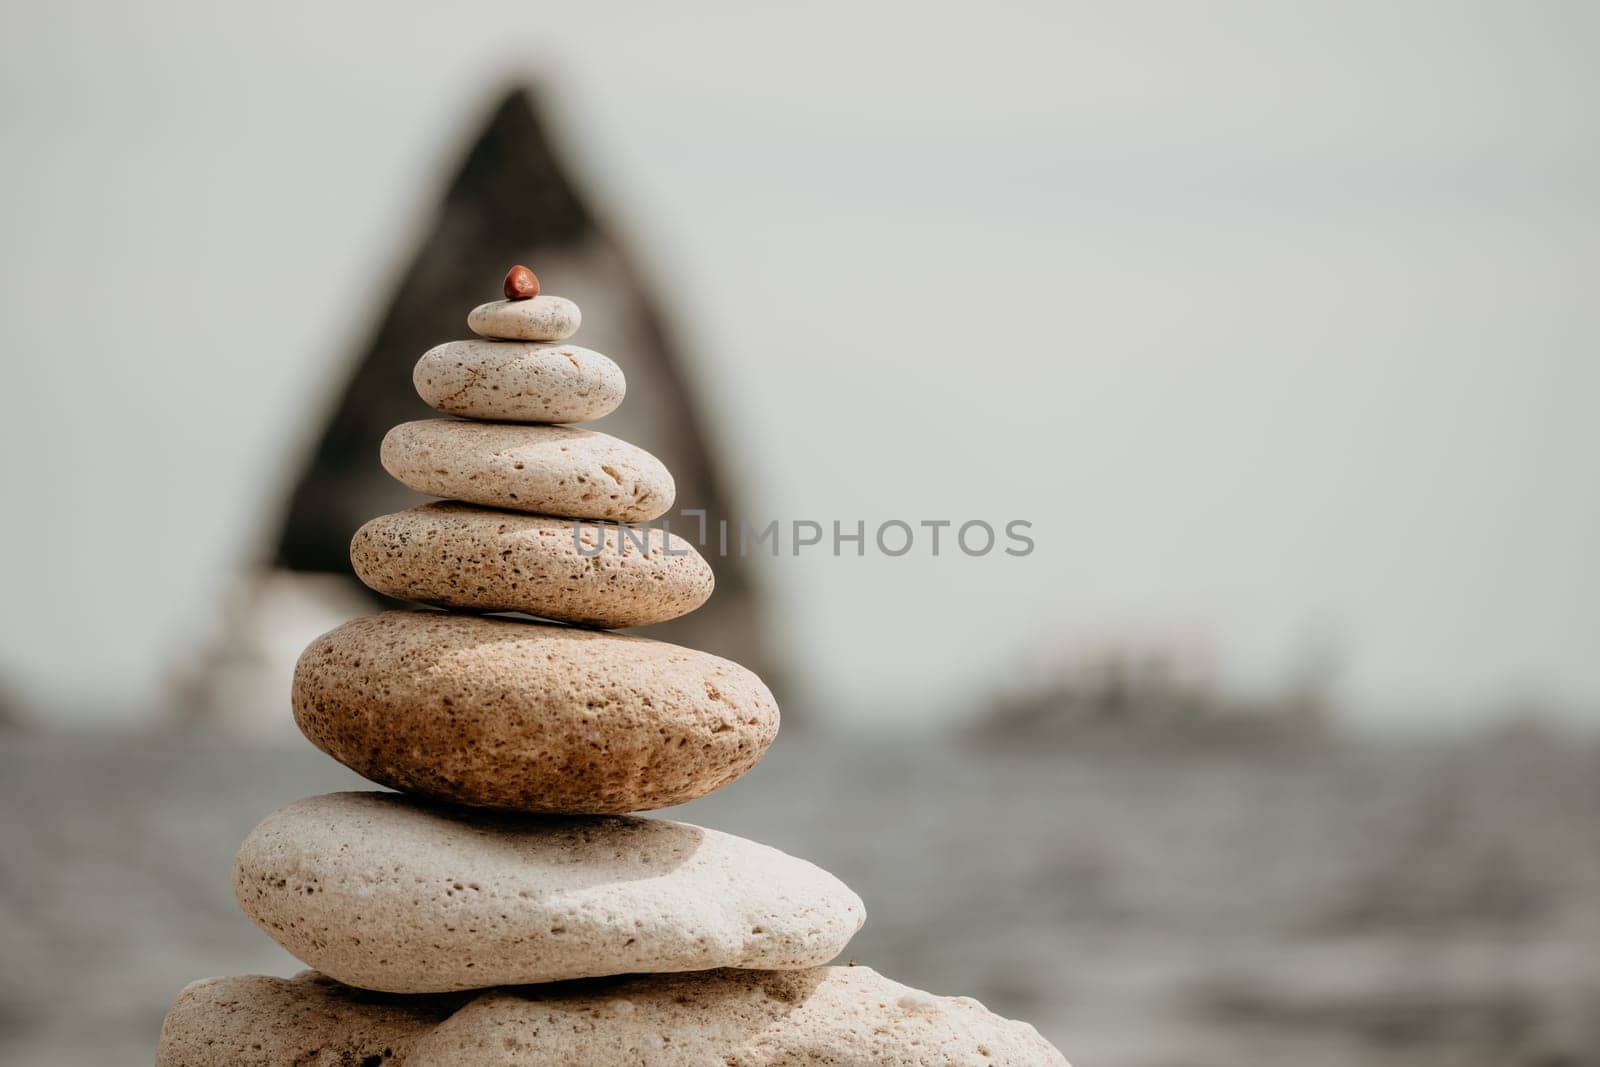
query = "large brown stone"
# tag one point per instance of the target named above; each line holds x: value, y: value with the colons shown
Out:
x: 529, y: 716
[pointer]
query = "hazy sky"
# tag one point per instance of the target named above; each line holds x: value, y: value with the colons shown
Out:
x: 1277, y: 320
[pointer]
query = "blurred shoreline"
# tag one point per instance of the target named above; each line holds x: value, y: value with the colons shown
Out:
x: 1352, y: 899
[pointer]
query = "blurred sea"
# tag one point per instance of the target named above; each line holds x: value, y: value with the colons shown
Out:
x: 1325, y: 901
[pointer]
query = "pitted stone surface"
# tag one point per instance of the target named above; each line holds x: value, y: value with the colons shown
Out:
x: 839, y: 1016
x: 479, y: 559
x: 843, y: 1016
x: 548, y: 470
x: 516, y: 381
x: 256, y: 1021
x: 529, y: 716
x: 543, y: 318
x: 391, y: 893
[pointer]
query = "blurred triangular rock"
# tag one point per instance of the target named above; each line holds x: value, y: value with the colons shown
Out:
x: 510, y: 201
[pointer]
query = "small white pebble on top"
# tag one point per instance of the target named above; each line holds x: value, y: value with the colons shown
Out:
x: 543, y: 318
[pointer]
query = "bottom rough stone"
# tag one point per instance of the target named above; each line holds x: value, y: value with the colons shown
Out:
x: 256, y: 1021
x: 843, y: 1016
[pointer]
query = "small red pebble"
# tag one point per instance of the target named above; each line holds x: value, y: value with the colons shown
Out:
x: 520, y: 284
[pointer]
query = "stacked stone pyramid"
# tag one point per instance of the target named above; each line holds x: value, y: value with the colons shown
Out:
x: 500, y: 908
